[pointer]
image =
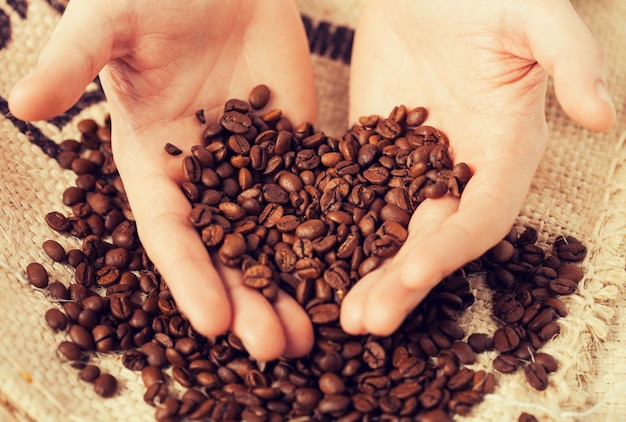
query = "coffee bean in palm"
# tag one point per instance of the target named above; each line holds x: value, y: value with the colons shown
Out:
x: 259, y: 96
x: 235, y: 121
x: 172, y: 149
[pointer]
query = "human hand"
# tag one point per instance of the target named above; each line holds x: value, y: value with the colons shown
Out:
x: 159, y: 63
x: 481, y: 70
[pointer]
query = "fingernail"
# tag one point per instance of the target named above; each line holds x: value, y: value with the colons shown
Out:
x: 603, y: 93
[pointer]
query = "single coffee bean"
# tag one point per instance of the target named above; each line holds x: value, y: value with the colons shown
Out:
x: 374, y: 355
x: 54, y: 250
x: 37, y: 275
x: 56, y: 319
x: 536, y: 376
x: 258, y: 276
x: 526, y: 417
x: 236, y: 122
x: 151, y: 375
x: 89, y: 373
x: 326, y: 313
x: 505, y: 364
x: 172, y: 149
x: 563, y: 286
x: 333, y: 403
x: 57, y: 222
x: 105, y: 385
x: 70, y: 350
x: 58, y: 291
x: 82, y: 337
x: 547, y: 361
x: 259, y: 96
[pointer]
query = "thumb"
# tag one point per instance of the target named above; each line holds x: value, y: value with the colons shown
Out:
x: 80, y: 46
x: 563, y: 45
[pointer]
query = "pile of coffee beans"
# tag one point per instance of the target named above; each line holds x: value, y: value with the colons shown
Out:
x: 301, y: 211
x: 309, y: 214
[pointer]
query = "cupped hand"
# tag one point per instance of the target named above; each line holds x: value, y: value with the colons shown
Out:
x: 481, y: 69
x: 159, y: 62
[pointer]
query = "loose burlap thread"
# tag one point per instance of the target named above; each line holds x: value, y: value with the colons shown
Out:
x: 579, y: 189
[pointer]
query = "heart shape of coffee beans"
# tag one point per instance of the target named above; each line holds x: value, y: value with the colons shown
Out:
x: 296, y: 209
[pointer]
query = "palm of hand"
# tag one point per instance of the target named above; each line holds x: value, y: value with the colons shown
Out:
x: 488, y: 97
x: 159, y: 64
x: 155, y: 91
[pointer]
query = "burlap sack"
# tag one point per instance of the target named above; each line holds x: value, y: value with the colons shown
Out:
x: 580, y: 189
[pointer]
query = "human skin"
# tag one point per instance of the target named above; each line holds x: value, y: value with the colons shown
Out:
x: 481, y: 69
x: 159, y: 62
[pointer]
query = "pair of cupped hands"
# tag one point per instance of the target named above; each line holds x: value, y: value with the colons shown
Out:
x: 481, y: 69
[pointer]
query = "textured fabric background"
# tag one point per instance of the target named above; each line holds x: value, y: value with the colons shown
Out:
x: 580, y: 189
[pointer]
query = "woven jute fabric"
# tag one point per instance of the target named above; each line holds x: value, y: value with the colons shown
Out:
x: 579, y: 190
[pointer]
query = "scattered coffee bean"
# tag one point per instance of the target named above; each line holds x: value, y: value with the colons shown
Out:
x: 89, y: 373
x: 56, y: 319
x: 310, y: 214
x: 37, y: 275
x: 54, y: 250
x: 105, y: 385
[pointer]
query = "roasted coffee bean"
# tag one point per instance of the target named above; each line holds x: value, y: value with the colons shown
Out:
x: 464, y: 352
x: 37, y: 275
x: 333, y: 403
x: 54, y: 250
x: 311, y: 229
x: 549, y: 331
x: 104, y: 338
x: 58, y: 291
x: 483, y: 382
x: 527, y: 417
x: 543, y: 318
x: 374, y: 355
x: 172, y: 149
x: 461, y: 379
x: 105, y: 385
x: 570, y: 271
x: 236, y: 121
x: 505, y: 364
x: 505, y: 339
x: 56, y: 319
x: 572, y: 251
x: 89, y: 373
x: 536, y: 376
x: 547, y: 361
x: 563, y: 286
x: 259, y: 96
x: 258, y: 276
x: 326, y: 313
x: 82, y: 337
x: 70, y: 350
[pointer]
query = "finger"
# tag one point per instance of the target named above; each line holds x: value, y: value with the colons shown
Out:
x: 254, y: 320
x: 296, y: 324
x: 389, y: 301
x: 563, y: 45
x: 161, y: 211
x: 353, y: 305
x: 78, y: 49
x: 486, y: 212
